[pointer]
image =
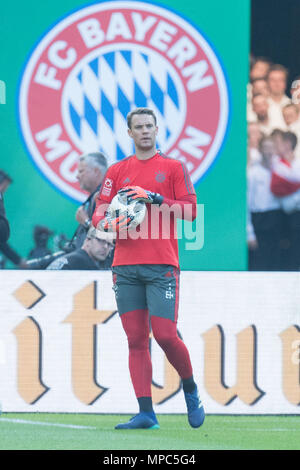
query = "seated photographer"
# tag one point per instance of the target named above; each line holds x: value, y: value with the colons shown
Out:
x: 95, y: 253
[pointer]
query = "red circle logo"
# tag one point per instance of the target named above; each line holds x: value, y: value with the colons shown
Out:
x: 99, y: 63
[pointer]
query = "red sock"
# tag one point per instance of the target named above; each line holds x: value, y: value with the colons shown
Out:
x: 136, y: 326
x: 165, y: 332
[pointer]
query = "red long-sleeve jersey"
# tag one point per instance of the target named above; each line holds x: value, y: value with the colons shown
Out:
x: 156, y: 240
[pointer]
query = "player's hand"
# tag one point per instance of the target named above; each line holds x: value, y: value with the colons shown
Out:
x: 81, y: 215
x: 115, y: 224
x: 136, y: 192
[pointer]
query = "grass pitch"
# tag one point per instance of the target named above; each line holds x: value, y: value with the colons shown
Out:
x: 47, y: 431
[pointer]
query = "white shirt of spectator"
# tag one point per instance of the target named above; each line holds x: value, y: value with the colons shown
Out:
x: 275, y: 113
x: 260, y: 197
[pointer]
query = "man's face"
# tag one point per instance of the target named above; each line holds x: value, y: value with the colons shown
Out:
x: 99, y: 249
x: 260, y: 106
x: 290, y: 115
x: 261, y: 87
x: 88, y: 177
x: 267, y: 148
x: 143, y: 131
x: 259, y: 69
x: 277, y: 82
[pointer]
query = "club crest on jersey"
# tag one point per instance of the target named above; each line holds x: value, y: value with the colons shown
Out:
x: 103, y: 60
x: 160, y: 176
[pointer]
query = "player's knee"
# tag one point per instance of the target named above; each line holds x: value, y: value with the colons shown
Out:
x: 164, y: 331
x: 138, y: 342
x: 165, y: 339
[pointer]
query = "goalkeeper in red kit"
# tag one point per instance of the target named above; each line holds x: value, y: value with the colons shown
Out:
x: 146, y: 269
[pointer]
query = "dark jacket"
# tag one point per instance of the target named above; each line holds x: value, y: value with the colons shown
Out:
x: 79, y: 260
x: 4, y: 225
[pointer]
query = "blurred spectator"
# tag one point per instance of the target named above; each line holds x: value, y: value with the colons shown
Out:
x: 264, y: 222
x: 254, y: 137
x: 5, y: 181
x: 273, y: 220
x: 260, y: 106
x: 277, y: 137
x: 291, y: 115
x: 91, y: 170
x: 5, y: 248
x: 260, y: 87
x: 295, y: 91
x: 41, y: 236
x: 277, y: 83
x: 285, y: 184
x: 260, y: 68
x: 95, y: 253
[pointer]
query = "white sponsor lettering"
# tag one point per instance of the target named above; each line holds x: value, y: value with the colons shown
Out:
x: 91, y: 32
x: 196, y: 139
x: 162, y: 35
x: 45, y: 76
x: 196, y: 72
x: 184, y: 49
x: 68, y: 167
x: 58, y: 60
x: 142, y: 26
x: 57, y: 147
x: 118, y: 27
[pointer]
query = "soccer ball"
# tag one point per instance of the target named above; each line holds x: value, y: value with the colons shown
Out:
x: 120, y: 205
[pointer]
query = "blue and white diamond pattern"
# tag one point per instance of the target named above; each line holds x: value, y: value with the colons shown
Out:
x: 105, y: 86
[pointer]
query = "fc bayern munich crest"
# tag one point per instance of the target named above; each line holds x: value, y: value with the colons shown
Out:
x: 96, y: 65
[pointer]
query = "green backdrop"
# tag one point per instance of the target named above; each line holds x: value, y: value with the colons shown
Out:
x: 31, y: 200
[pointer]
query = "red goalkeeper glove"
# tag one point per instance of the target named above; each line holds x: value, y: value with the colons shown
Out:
x: 136, y: 192
x: 116, y: 224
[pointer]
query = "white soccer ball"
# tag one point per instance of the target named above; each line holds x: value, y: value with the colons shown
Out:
x: 120, y: 206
